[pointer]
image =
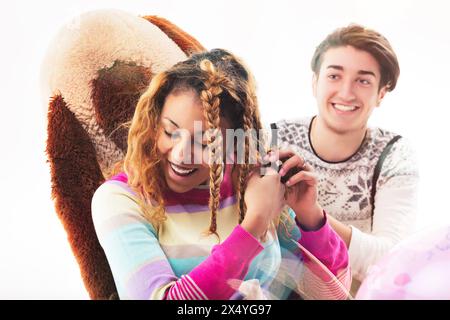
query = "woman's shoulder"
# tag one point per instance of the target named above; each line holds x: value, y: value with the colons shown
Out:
x: 116, y: 206
x: 114, y: 197
x: 115, y: 186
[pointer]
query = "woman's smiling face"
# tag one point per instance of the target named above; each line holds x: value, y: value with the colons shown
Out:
x: 182, y: 141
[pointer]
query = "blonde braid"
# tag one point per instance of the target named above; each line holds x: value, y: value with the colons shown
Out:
x: 252, y: 102
x: 245, y: 167
x: 284, y: 219
x: 251, y: 120
x: 211, y: 103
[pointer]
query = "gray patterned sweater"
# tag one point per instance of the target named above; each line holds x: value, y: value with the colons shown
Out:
x: 345, y: 187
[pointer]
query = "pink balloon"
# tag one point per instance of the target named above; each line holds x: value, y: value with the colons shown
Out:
x: 416, y: 268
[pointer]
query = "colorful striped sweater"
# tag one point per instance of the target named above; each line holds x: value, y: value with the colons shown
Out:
x: 178, y: 261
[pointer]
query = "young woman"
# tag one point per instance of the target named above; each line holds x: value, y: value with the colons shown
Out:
x: 190, y: 218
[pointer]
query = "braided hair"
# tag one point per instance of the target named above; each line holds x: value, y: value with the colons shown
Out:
x: 226, y: 90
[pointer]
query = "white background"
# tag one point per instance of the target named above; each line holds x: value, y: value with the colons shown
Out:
x: 276, y: 39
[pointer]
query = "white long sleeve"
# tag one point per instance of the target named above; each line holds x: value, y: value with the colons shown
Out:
x: 394, y: 219
x: 395, y: 211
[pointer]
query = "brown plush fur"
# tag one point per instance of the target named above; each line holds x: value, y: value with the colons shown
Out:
x: 75, y: 171
x: 115, y: 93
x: 186, y: 42
x: 75, y: 176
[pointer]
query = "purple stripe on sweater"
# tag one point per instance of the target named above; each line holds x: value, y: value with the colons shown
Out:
x: 194, y: 208
x: 149, y: 278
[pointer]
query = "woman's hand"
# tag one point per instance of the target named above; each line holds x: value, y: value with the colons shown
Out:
x: 301, y: 193
x: 264, y: 198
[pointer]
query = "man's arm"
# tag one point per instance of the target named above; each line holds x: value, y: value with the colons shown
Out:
x: 344, y: 231
x: 394, y: 214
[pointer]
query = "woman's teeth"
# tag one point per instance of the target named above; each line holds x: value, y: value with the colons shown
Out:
x: 181, y: 171
x: 342, y: 107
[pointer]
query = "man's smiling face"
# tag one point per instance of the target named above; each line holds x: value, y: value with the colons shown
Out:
x: 347, y: 88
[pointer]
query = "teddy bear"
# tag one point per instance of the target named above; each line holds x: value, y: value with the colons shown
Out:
x: 92, y: 76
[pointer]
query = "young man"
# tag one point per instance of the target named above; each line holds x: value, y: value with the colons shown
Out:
x: 354, y: 68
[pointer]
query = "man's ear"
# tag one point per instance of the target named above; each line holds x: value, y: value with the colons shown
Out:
x: 381, y: 95
x: 314, y: 84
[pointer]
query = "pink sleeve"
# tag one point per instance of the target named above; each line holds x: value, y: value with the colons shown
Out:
x: 228, y: 260
x: 325, y: 245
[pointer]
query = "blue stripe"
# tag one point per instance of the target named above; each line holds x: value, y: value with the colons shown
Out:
x: 182, y: 266
x: 133, y: 245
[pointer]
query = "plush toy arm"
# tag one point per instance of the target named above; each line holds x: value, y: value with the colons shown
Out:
x: 75, y: 176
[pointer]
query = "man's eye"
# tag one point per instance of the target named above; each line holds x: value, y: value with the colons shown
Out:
x: 333, y: 76
x: 364, y: 81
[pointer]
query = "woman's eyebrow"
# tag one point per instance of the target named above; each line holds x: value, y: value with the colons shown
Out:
x: 176, y: 125
x: 171, y: 121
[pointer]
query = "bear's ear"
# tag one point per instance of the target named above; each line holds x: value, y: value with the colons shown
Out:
x: 116, y: 90
x: 186, y: 42
x: 75, y: 176
x: 115, y: 93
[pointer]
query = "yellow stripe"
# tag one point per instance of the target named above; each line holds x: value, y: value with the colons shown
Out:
x: 187, y: 228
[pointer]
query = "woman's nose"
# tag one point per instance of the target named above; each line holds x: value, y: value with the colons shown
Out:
x: 181, y: 150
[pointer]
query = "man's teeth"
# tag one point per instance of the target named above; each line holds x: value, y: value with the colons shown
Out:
x: 180, y: 170
x: 342, y: 107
